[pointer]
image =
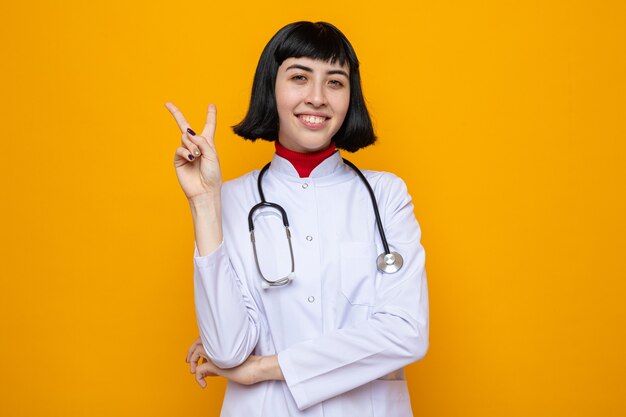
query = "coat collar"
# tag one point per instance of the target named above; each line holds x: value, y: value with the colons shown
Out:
x: 331, y: 170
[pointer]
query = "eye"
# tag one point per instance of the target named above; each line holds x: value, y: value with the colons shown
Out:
x: 336, y: 83
x: 298, y: 77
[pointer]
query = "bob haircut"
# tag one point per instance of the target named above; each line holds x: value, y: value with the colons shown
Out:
x: 321, y: 41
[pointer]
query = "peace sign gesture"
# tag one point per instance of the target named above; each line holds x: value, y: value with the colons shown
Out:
x: 196, y: 162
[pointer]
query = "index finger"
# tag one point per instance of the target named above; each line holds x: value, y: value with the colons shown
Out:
x: 178, y: 115
x: 211, y: 120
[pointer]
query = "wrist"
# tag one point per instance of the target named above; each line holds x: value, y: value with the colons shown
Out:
x: 206, y: 212
x: 270, y: 369
x: 206, y: 207
x: 208, y: 199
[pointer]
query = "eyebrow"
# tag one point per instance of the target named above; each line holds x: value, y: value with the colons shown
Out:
x: 307, y: 69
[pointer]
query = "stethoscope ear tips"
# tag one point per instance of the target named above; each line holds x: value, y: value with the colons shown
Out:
x: 389, y: 263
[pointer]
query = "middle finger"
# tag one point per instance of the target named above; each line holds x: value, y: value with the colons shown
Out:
x: 211, y: 121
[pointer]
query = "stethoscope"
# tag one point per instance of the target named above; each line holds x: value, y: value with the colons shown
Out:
x: 387, y: 262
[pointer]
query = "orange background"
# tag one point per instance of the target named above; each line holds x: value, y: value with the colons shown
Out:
x: 506, y: 119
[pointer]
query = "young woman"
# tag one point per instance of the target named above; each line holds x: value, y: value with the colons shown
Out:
x: 301, y: 301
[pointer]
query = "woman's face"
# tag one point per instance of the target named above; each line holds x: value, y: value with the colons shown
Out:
x: 312, y: 98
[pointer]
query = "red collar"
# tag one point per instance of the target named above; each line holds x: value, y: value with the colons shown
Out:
x: 304, y: 163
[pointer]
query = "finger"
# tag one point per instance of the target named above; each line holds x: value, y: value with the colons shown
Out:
x: 182, y: 155
x: 204, y: 370
x: 192, y: 348
x: 195, y: 357
x: 187, y: 143
x: 193, y: 363
x: 200, y: 381
x: 198, y: 354
x: 206, y: 146
x: 211, y: 122
x: 178, y: 116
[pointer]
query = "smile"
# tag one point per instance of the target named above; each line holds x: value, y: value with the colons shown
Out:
x: 312, y: 121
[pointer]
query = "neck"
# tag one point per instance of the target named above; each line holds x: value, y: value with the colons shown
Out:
x: 304, y: 163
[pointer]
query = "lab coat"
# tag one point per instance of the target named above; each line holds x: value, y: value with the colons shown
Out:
x: 341, y: 326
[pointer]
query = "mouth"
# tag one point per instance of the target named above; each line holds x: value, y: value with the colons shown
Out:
x: 313, y: 121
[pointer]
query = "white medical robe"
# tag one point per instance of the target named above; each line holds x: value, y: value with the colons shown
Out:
x: 341, y: 325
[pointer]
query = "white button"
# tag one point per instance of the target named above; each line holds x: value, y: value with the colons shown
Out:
x: 309, y: 238
x: 305, y: 185
x: 311, y: 299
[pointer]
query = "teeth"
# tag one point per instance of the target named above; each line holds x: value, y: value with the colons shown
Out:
x: 313, y: 119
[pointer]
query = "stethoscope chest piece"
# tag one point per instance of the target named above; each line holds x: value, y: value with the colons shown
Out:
x: 389, y: 262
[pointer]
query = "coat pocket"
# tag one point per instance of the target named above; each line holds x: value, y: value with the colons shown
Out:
x: 358, y: 272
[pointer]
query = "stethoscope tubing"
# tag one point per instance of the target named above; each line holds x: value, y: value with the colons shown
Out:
x: 379, y: 222
x: 388, y: 261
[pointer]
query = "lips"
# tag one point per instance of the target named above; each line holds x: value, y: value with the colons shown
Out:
x: 313, y: 120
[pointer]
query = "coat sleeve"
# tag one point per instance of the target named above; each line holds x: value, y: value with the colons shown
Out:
x: 225, y: 311
x: 396, y: 333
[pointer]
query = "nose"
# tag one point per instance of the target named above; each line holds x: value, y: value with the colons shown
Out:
x: 316, y: 95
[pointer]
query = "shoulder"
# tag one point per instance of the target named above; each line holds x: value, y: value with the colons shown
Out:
x: 386, y: 184
x: 392, y: 195
x: 243, y: 181
x: 240, y: 190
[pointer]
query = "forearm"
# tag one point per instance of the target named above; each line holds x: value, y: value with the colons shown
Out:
x: 395, y: 335
x: 269, y: 369
x: 338, y: 362
x: 225, y: 311
x: 254, y: 370
x: 206, y: 211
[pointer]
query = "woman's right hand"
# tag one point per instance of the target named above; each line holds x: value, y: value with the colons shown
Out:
x: 196, y: 162
x: 250, y: 372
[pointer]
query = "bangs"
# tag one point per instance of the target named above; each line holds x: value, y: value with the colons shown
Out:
x: 316, y: 41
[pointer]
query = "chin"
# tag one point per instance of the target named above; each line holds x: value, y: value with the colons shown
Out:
x: 315, y: 147
x: 315, y: 144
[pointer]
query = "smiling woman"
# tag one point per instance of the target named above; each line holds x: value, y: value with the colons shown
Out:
x: 331, y: 335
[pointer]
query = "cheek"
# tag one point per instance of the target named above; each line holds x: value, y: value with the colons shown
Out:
x: 284, y: 108
x: 286, y: 101
x: 342, y: 104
